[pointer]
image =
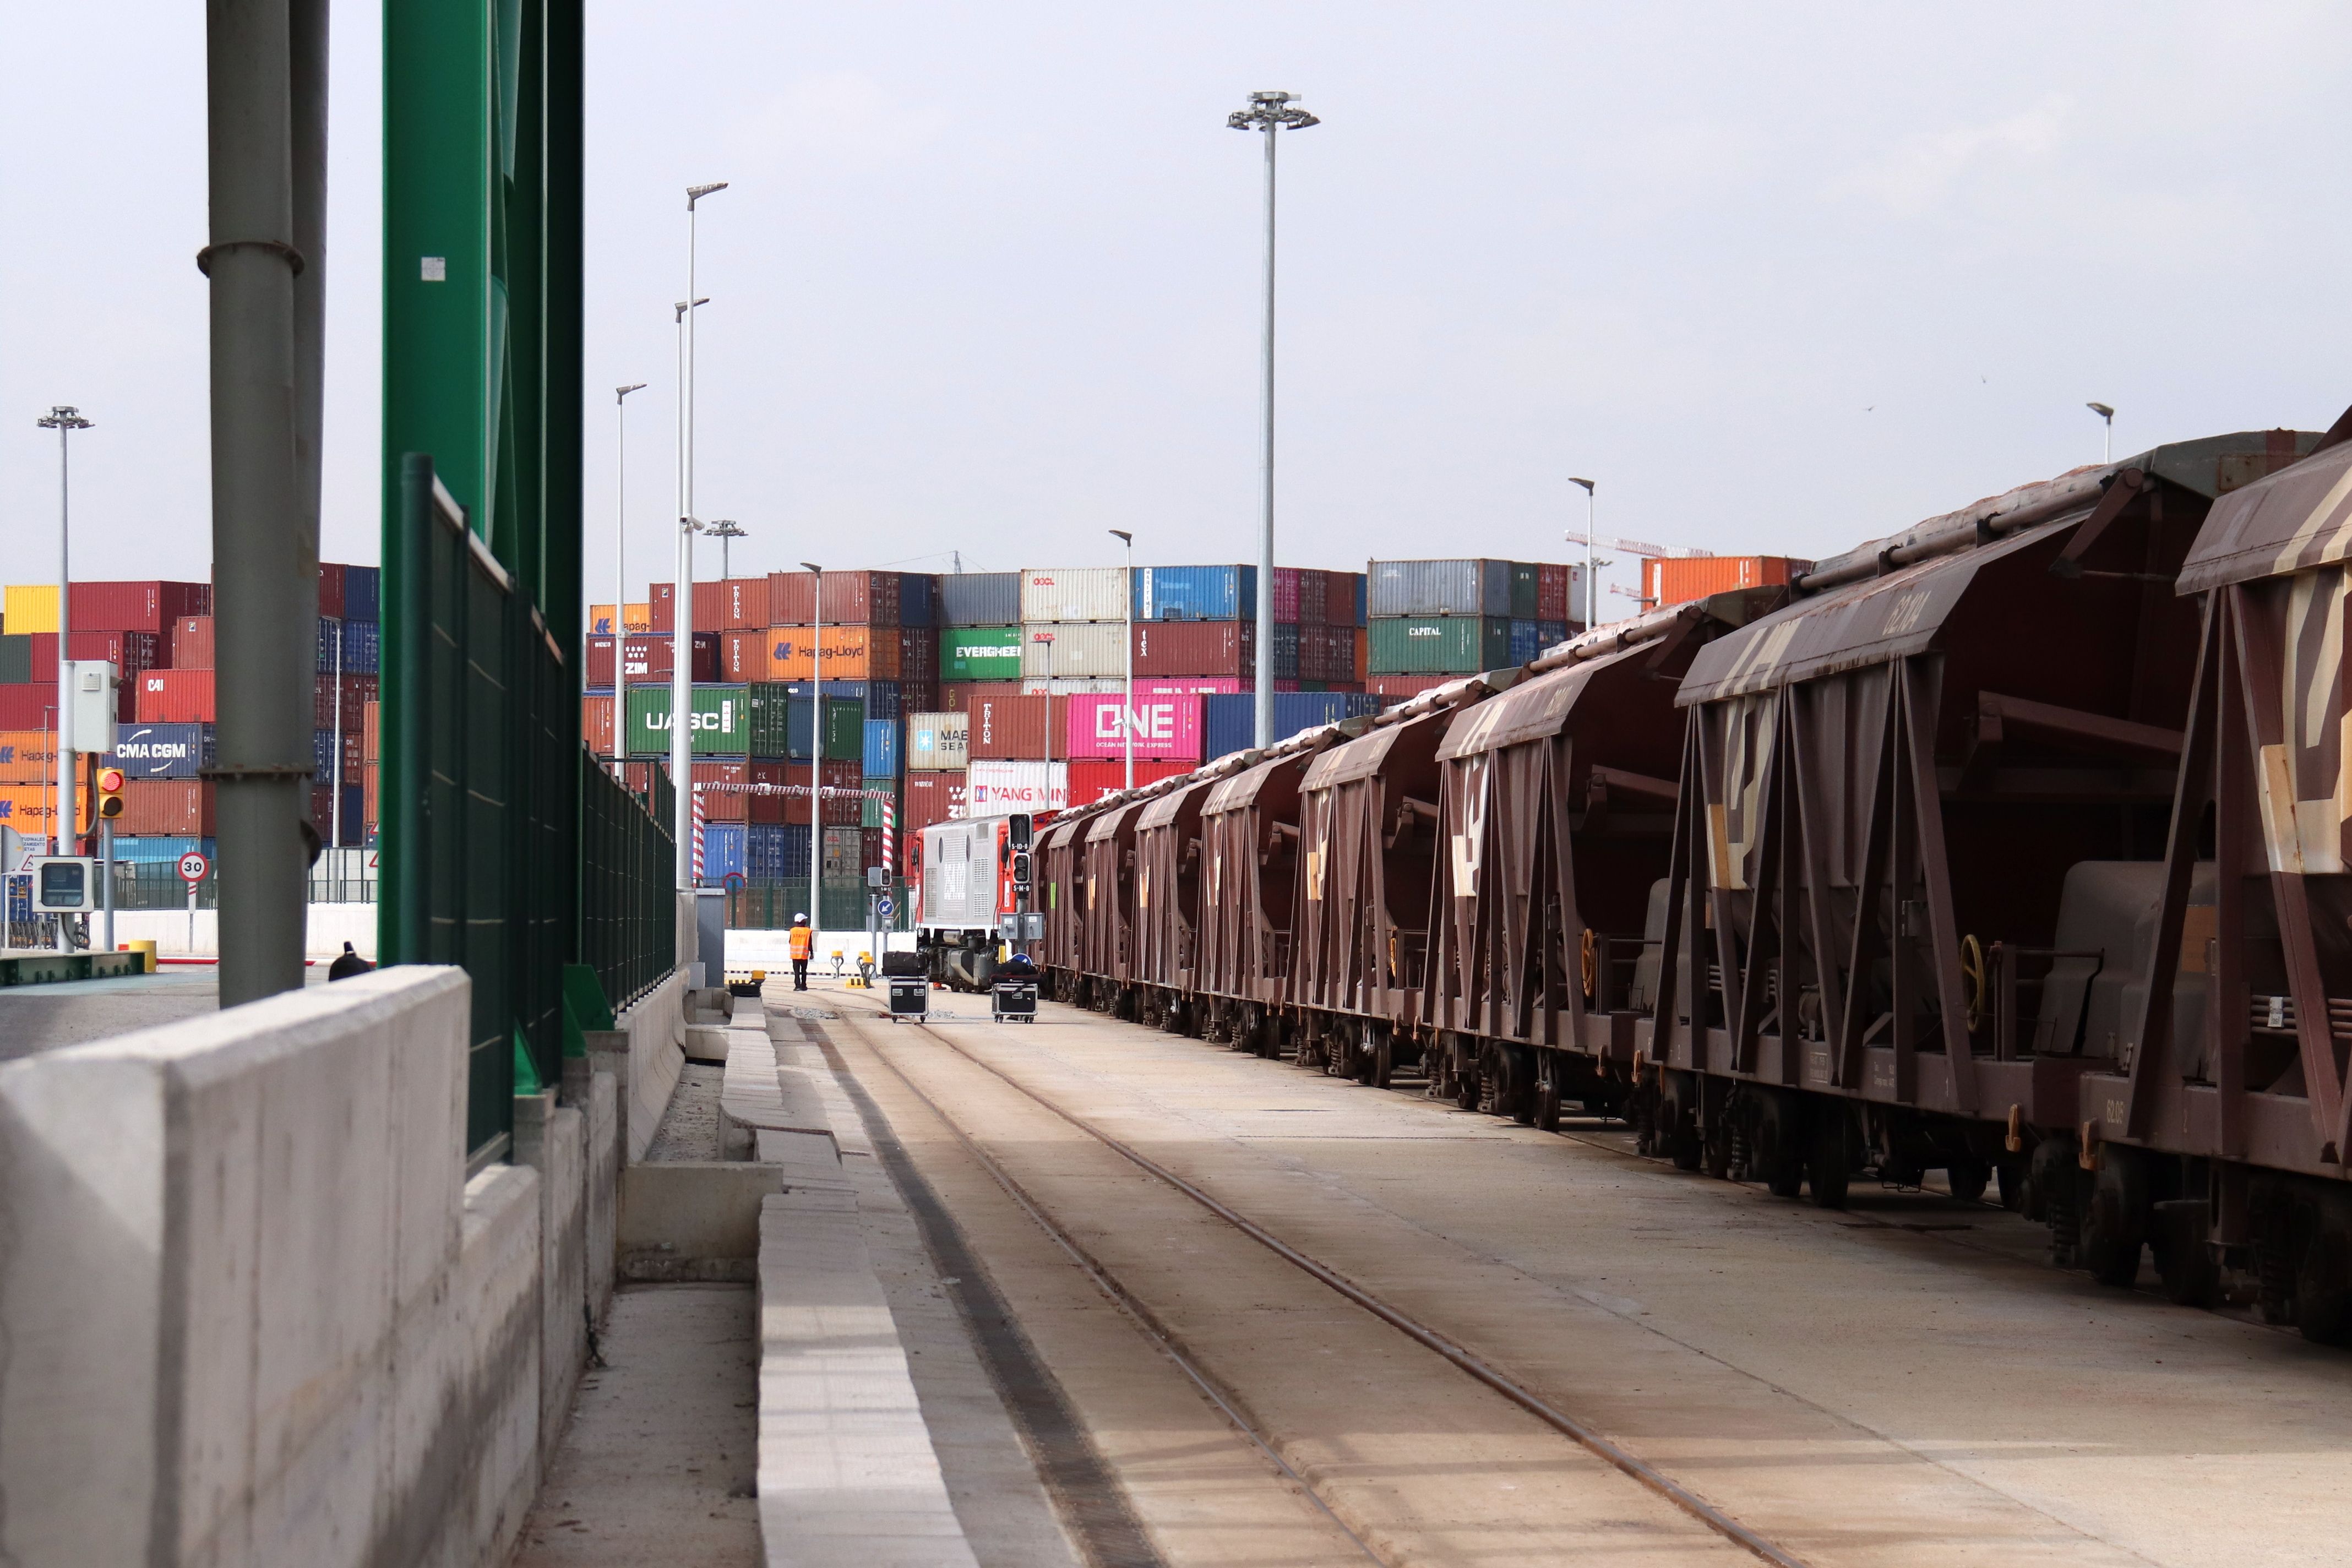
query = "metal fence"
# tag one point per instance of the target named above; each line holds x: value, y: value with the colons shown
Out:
x: 770, y: 906
x: 628, y: 876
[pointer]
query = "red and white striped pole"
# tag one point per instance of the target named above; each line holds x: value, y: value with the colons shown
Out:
x: 890, y: 837
x: 697, y: 833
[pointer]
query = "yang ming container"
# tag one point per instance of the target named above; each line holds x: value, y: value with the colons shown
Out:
x: 1452, y: 587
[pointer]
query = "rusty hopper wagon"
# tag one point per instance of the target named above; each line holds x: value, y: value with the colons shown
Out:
x: 1168, y: 881
x: 1106, y: 906
x: 1057, y: 865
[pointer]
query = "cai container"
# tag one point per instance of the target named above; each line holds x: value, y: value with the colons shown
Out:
x: 1166, y: 728
x: 979, y: 598
x: 1440, y: 644
x: 1449, y: 587
x: 169, y: 696
x: 1201, y: 593
x: 1073, y: 593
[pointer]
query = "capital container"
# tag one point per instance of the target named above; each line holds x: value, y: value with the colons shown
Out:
x: 938, y: 743
x: 133, y: 606
x: 721, y: 720
x: 995, y: 786
x: 1449, y: 587
x: 167, y: 697
x: 1197, y: 647
x: 1165, y: 727
x: 1073, y: 593
x: 1018, y: 728
x: 980, y: 598
x: 724, y: 795
x: 1078, y: 649
x: 722, y: 852
x: 1440, y: 644
x: 1676, y: 579
x: 1200, y: 594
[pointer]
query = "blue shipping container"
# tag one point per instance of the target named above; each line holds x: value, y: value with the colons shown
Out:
x: 149, y: 851
x: 162, y: 750
x: 331, y: 637
x: 355, y: 823
x: 1361, y: 619
x: 1229, y: 720
x: 776, y: 852
x: 881, y: 748
x: 1194, y: 592
x: 1526, y: 640
x: 362, y: 646
x: 363, y: 592
x: 918, y: 599
x: 723, y: 851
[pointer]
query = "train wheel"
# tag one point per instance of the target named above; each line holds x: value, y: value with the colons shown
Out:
x: 1716, y: 1150
x: 1547, y: 1073
x: 2183, y: 1262
x: 1829, y: 1163
x: 1967, y: 1178
x: 2322, y: 1278
x: 1778, y: 1157
x: 2011, y: 1174
x: 1677, y: 1131
x: 1383, y: 1062
x: 1523, y: 1084
x: 2114, y: 1228
x: 1466, y: 1077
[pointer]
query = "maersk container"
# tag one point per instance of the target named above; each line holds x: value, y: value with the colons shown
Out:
x: 1052, y: 648
x: 722, y: 720
x: 980, y: 653
x: 979, y: 598
x: 1455, y: 587
x: 1073, y: 593
x: 1201, y: 593
x: 938, y: 743
x: 722, y: 852
x: 882, y: 748
x: 1440, y: 644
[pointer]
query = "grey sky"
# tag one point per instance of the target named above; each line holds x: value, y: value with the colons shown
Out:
x: 1780, y: 278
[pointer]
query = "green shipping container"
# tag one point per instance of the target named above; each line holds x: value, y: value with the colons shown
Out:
x: 780, y: 725
x: 1439, y: 645
x: 722, y: 720
x: 1523, y: 591
x: 871, y: 816
x: 980, y: 653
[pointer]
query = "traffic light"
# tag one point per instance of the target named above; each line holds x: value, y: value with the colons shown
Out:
x: 109, y: 794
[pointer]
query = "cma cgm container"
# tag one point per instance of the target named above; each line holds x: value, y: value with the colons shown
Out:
x: 1073, y: 593
x: 1198, y: 647
x: 980, y: 598
x: 1201, y: 593
x: 721, y: 721
x: 1454, y: 587
x: 938, y: 743
x: 1440, y: 644
x: 161, y: 751
x: 1676, y: 579
x: 1075, y: 649
x: 1167, y: 728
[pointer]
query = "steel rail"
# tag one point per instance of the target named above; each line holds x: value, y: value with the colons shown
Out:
x: 1429, y: 1339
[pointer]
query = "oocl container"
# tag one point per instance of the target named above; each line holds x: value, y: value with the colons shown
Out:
x: 1073, y: 593
x: 1167, y: 728
x: 1449, y: 587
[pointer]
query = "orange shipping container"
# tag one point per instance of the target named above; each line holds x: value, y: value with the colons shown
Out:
x: 744, y: 655
x: 166, y: 808
x: 851, y: 653
x: 595, y: 725
x: 191, y: 643
x: 1677, y: 579
x: 731, y: 802
x: 367, y: 795
x: 370, y: 718
x: 27, y: 756
x: 31, y: 808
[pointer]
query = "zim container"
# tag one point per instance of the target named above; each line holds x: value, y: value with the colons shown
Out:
x: 721, y: 720
x: 1450, y: 587
x: 979, y: 598
x: 1440, y: 644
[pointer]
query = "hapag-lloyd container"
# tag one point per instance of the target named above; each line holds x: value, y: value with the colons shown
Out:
x: 1450, y: 587
x: 721, y: 720
x: 28, y: 756
x: 1202, y: 594
x: 1075, y: 593
x: 938, y: 743
x: 1017, y: 727
x: 1076, y: 648
x: 980, y: 598
x: 1167, y: 728
x: 844, y: 651
x: 159, y: 751
x: 994, y: 786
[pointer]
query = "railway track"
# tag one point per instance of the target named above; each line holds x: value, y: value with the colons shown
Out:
x: 1632, y: 1467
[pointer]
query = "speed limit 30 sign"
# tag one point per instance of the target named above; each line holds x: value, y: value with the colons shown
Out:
x: 194, y: 868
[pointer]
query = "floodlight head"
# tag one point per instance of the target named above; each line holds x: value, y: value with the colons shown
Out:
x: 621, y: 392
x: 811, y: 566
x: 1269, y: 110
x: 2103, y: 411
x: 1586, y: 483
x: 681, y: 308
x: 727, y: 527
x: 696, y: 193
x: 1123, y: 537
x: 64, y: 416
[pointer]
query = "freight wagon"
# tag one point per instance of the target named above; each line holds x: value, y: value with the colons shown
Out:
x: 2011, y: 847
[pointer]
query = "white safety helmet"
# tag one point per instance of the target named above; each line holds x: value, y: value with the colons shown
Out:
x: 800, y: 919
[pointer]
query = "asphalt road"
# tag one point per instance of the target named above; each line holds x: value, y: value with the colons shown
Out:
x: 36, y: 1019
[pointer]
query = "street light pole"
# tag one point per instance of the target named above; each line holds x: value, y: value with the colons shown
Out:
x: 816, y: 750
x: 681, y: 679
x: 724, y: 529
x: 1269, y: 112
x: 1127, y: 718
x: 65, y: 419
x: 2107, y: 442
x: 620, y: 538
x: 1592, y: 566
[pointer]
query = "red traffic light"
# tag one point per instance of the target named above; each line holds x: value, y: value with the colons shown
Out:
x: 110, y: 780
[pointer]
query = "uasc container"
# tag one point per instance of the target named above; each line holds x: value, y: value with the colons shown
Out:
x: 721, y: 720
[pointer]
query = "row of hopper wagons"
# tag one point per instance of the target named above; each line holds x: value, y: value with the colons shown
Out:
x: 2011, y: 847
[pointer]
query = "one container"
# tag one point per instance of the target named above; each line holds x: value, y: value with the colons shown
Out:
x: 363, y: 594
x: 1434, y: 645
x: 722, y: 853
x: 1201, y: 593
x: 1078, y: 649
x: 1091, y: 782
x: 881, y: 748
x: 849, y: 652
x: 1073, y: 593
x: 1676, y: 579
x: 174, y: 697
x: 178, y: 806
x: 994, y: 786
x: 980, y: 598
x: 1166, y: 728
x: 1226, y: 648
x: 595, y: 722
x: 28, y: 608
x: 938, y: 743
x: 724, y: 797
x: 1450, y: 587
x: 722, y: 720
x: 1017, y: 727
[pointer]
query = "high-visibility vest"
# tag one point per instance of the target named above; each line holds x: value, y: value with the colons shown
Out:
x: 803, y: 942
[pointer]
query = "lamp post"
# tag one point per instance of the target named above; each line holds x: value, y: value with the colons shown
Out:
x: 681, y: 680
x: 2107, y: 441
x: 1127, y: 717
x: 65, y: 419
x: 1592, y: 565
x: 816, y: 748
x: 724, y: 529
x: 1270, y: 113
x: 621, y: 528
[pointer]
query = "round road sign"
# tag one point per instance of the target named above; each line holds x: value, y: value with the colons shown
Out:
x: 731, y: 881
x: 195, y: 868
x: 886, y: 906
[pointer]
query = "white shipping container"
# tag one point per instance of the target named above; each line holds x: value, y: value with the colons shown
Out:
x: 938, y: 743
x: 1073, y: 593
x: 1079, y: 649
x: 993, y: 788
x: 1091, y: 687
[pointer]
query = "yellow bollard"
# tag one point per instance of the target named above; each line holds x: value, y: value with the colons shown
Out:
x: 145, y: 948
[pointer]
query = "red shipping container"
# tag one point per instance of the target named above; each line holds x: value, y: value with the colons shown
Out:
x: 596, y: 663
x: 330, y: 589
x: 1676, y: 579
x: 1551, y: 593
x: 166, y: 696
x: 659, y: 602
x: 1019, y: 729
x: 595, y: 724
x: 958, y: 696
x: 358, y: 691
x: 1285, y: 594
x: 1167, y: 728
x: 166, y: 808
x: 851, y: 599
x: 129, y: 652
x: 732, y: 604
x: 744, y: 655
x: 650, y: 659
x: 192, y: 644
x: 929, y: 797
x: 765, y: 808
x: 840, y: 810
x: 639, y: 778
x: 28, y: 705
x: 919, y: 653
x: 136, y: 606
x: 1196, y: 648
x: 729, y: 804
x: 1089, y: 781
x: 1397, y: 687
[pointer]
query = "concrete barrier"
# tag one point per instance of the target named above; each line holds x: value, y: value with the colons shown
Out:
x: 330, y: 926
x: 645, y: 1054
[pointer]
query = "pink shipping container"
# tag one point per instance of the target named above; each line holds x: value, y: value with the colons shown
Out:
x: 1196, y: 647
x: 170, y: 697
x: 1167, y: 728
x: 137, y: 606
x: 596, y: 724
x: 1016, y: 729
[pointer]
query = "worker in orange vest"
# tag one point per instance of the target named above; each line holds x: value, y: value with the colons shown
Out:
x: 803, y: 948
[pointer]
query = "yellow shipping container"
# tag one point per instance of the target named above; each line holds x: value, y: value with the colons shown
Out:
x: 639, y: 618
x: 32, y: 808
x: 28, y: 608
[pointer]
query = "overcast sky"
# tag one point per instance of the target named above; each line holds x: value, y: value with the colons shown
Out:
x: 1780, y: 278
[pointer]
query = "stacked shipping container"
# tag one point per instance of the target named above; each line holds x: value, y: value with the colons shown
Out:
x: 1431, y: 621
